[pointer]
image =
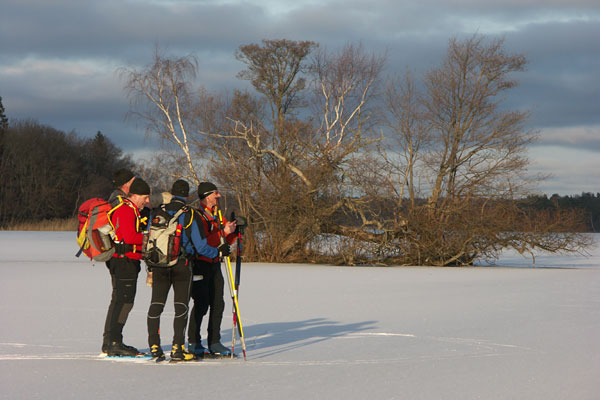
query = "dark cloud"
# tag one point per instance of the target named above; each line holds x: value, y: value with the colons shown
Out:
x: 120, y: 28
x: 562, y: 83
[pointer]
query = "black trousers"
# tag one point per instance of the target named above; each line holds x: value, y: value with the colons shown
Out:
x: 179, y: 276
x: 207, y: 292
x: 123, y: 274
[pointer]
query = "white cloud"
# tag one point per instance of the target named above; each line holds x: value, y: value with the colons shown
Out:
x: 573, y: 171
x: 577, y: 137
x: 35, y: 65
x: 60, y: 79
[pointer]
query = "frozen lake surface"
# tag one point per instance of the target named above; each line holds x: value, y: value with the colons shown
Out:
x: 511, y: 258
x: 312, y: 332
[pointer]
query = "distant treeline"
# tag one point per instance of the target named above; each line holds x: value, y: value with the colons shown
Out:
x: 46, y: 173
x: 589, y: 203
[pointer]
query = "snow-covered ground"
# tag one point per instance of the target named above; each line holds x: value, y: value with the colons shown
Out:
x: 312, y: 332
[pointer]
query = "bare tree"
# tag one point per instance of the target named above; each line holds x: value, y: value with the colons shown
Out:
x: 345, y: 84
x: 480, y: 148
x: 284, y: 153
x: 261, y: 148
x: 296, y: 159
x: 409, y: 136
x: 474, y: 164
x: 161, y: 96
x: 275, y: 70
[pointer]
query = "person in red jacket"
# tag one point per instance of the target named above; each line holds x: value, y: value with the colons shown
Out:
x: 125, y: 265
x: 122, y: 180
x: 207, y: 278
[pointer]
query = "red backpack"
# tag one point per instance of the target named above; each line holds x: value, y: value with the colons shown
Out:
x: 95, y: 233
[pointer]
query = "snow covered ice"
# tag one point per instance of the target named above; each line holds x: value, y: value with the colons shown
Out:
x: 312, y: 332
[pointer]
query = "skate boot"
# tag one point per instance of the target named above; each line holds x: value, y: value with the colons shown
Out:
x: 105, y: 343
x: 217, y: 349
x: 118, y: 349
x: 157, y: 353
x: 197, y: 349
x: 178, y: 353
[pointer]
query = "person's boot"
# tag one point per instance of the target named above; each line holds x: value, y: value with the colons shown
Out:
x: 197, y: 349
x: 105, y: 342
x: 178, y: 353
x: 118, y: 349
x: 218, y: 349
x: 157, y: 352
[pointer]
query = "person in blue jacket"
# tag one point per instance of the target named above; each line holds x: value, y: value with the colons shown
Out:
x: 193, y: 243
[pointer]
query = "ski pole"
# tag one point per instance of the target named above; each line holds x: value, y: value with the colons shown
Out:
x: 238, y: 258
x: 233, y: 325
x: 236, y: 307
x: 238, y: 261
x: 238, y: 268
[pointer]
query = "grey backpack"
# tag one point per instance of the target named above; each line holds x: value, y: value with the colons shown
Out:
x: 161, y: 246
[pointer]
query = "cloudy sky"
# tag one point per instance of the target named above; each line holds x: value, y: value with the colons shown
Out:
x: 58, y: 58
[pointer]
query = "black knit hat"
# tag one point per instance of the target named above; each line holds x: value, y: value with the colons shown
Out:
x: 205, y: 189
x: 139, y: 186
x: 180, y: 188
x: 122, y: 176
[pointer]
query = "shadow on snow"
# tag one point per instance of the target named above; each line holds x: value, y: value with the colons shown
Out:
x: 278, y: 337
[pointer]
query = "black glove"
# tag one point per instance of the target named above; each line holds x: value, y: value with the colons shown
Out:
x: 224, y: 250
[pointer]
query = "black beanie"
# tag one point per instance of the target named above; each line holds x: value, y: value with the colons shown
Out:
x: 205, y: 189
x: 122, y: 176
x: 139, y: 186
x: 180, y: 188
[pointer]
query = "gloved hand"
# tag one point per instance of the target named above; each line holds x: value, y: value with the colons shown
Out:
x: 224, y: 250
x: 242, y: 223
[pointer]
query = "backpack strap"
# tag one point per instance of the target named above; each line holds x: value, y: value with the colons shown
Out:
x: 82, y: 239
x: 191, y: 214
x: 209, y: 219
x: 187, y: 226
x: 180, y: 211
x: 116, y: 201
